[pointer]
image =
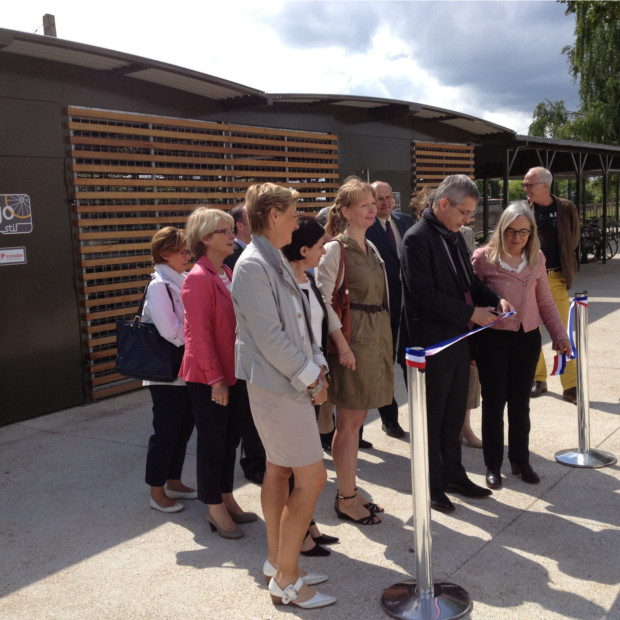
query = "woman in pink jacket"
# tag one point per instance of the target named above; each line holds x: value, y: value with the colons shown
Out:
x: 218, y: 400
x: 514, y: 267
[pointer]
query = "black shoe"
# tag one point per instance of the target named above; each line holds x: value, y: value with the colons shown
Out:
x: 365, y: 445
x: 326, y: 539
x: 440, y: 502
x: 538, y: 388
x: 466, y: 488
x: 393, y: 429
x: 316, y: 552
x: 570, y: 395
x: 527, y: 473
x: 494, y: 479
x: 256, y: 476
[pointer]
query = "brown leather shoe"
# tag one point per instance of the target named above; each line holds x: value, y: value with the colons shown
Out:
x: 538, y: 387
x: 570, y: 395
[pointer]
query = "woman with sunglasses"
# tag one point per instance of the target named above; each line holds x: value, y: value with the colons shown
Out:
x: 514, y: 267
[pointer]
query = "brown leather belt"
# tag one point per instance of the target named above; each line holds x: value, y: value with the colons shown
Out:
x: 371, y: 309
x: 553, y: 270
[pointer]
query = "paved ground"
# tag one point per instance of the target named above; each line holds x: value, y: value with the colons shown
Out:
x: 79, y: 541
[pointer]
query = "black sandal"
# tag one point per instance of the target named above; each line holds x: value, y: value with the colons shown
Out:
x: 371, y: 506
x: 369, y: 520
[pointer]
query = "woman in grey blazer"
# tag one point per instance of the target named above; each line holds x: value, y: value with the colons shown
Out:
x: 284, y: 369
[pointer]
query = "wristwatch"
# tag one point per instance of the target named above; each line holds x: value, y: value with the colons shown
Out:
x: 317, y: 388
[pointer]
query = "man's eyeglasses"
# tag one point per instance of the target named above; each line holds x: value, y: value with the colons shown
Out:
x: 523, y: 232
x: 185, y: 253
x: 530, y: 185
x: 463, y: 213
x: 223, y: 231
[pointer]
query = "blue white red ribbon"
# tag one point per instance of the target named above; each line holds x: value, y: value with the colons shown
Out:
x: 416, y: 358
x: 560, y: 360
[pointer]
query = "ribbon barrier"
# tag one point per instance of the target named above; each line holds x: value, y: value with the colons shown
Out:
x: 583, y: 456
x: 422, y: 599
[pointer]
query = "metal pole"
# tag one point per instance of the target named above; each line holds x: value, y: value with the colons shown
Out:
x: 421, y: 599
x: 583, y: 456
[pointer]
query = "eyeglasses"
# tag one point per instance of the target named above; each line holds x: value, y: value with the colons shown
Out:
x: 223, y: 231
x: 530, y: 185
x: 523, y: 232
x: 185, y: 253
x: 464, y: 213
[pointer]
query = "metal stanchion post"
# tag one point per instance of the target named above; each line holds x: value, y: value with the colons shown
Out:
x: 422, y: 599
x: 583, y: 456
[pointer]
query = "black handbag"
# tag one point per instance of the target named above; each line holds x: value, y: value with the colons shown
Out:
x: 142, y: 353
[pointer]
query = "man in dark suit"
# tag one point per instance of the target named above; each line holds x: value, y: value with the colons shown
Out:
x: 243, y: 236
x: 443, y: 299
x: 387, y: 234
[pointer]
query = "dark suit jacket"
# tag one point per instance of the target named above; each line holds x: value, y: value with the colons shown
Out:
x: 377, y: 235
x: 434, y: 305
x: 232, y: 259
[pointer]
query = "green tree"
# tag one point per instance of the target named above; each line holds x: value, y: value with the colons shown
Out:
x: 595, y: 64
x: 552, y: 120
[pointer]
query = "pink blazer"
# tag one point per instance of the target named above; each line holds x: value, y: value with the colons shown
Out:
x: 209, y: 326
x: 528, y: 292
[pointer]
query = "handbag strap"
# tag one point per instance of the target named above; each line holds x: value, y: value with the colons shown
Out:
x: 138, y: 316
x: 343, y: 266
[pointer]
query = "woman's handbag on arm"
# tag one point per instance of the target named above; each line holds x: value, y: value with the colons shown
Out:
x: 142, y: 353
x: 341, y: 302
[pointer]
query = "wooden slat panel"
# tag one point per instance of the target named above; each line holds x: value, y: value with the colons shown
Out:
x: 115, y: 389
x: 432, y: 162
x: 134, y: 173
x: 178, y: 159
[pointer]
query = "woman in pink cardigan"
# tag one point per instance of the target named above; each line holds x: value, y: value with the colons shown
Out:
x: 514, y: 267
x: 218, y: 400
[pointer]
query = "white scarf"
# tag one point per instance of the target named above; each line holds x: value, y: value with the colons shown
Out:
x: 172, y: 277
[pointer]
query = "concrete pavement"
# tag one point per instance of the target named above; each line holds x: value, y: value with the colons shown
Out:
x: 78, y: 539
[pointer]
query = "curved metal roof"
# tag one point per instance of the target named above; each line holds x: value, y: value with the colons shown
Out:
x: 223, y: 91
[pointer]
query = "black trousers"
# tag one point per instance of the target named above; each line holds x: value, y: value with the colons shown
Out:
x: 506, y: 366
x: 219, y: 432
x: 253, y: 456
x: 173, y: 424
x: 447, y: 382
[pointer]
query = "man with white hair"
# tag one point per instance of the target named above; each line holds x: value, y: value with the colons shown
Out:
x: 557, y: 221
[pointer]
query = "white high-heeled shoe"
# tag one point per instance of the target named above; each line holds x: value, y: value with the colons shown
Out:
x: 289, y: 596
x: 310, y: 579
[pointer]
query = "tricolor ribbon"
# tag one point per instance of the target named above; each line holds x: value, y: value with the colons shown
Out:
x: 560, y: 360
x: 416, y: 358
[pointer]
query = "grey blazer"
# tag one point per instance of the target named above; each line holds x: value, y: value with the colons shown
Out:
x: 271, y: 351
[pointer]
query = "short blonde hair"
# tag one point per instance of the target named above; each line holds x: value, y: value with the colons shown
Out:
x: 201, y: 223
x: 497, y: 242
x: 261, y: 198
x: 348, y: 193
x: 165, y: 241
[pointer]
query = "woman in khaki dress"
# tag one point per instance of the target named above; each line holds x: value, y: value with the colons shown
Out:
x: 362, y: 375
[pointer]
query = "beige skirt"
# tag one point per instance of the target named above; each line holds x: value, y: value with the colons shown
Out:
x: 287, y: 427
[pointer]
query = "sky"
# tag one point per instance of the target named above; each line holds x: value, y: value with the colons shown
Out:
x: 493, y: 60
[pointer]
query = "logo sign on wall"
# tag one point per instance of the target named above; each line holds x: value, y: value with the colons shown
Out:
x: 13, y: 256
x: 15, y: 214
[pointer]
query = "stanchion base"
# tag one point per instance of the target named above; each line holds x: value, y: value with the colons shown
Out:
x: 588, y: 459
x: 449, y: 601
